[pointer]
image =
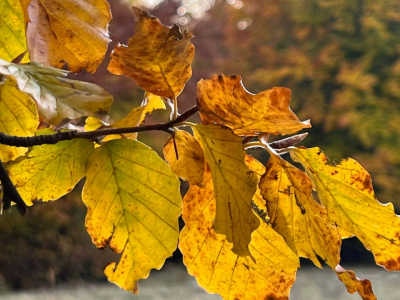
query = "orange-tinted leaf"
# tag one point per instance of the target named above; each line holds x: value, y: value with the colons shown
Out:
x: 72, y: 32
x: 190, y: 163
x: 235, y: 185
x: 346, y: 191
x: 208, y: 256
x: 224, y: 100
x: 353, y: 284
x: 157, y: 57
x: 295, y: 215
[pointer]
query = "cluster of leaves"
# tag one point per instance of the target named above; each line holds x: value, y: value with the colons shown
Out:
x: 246, y: 225
x: 341, y: 58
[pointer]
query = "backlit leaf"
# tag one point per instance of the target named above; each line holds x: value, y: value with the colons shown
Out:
x: 235, y: 185
x: 50, y: 171
x: 190, y: 163
x: 18, y: 116
x: 72, y: 32
x: 208, y: 256
x: 133, y: 202
x: 137, y: 116
x: 346, y: 191
x: 295, y: 215
x: 304, y: 223
x: 12, y: 29
x: 224, y: 100
x: 57, y: 97
x: 157, y: 57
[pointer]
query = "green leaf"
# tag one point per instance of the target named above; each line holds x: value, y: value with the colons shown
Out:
x: 18, y: 116
x: 57, y: 97
x: 50, y: 171
x: 235, y: 185
x: 134, y: 202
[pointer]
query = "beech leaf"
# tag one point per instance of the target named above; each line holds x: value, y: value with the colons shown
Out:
x: 18, y: 117
x: 190, y: 162
x: 157, y: 57
x: 304, y: 223
x: 346, y: 191
x: 48, y: 172
x: 235, y: 185
x: 72, y: 32
x: 208, y: 256
x: 134, y: 202
x: 224, y: 100
x: 57, y: 97
x: 12, y: 29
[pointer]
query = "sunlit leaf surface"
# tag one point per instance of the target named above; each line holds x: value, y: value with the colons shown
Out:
x: 50, y: 171
x: 235, y: 185
x: 18, y: 116
x: 346, y: 191
x: 189, y: 165
x: 224, y: 100
x: 133, y: 202
x: 12, y: 29
x: 72, y: 32
x: 208, y: 256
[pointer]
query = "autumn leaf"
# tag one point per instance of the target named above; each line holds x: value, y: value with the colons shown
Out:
x: 208, y: 256
x: 18, y: 117
x: 235, y: 185
x: 224, y: 100
x: 346, y: 191
x: 157, y: 57
x: 50, y: 171
x: 57, y: 97
x: 295, y: 215
x: 304, y: 223
x: 137, y: 116
x: 189, y: 165
x: 12, y: 30
x: 134, y: 202
x: 73, y: 32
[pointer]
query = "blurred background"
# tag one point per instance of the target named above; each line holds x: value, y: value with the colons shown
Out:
x: 340, y: 58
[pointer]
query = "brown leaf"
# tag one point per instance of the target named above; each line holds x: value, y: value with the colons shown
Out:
x: 224, y: 100
x: 157, y: 57
x: 353, y: 284
x: 72, y: 32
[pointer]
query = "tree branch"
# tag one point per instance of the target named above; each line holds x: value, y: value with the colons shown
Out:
x: 17, y: 141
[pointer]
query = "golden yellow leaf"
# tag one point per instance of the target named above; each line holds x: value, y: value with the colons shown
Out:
x: 12, y: 29
x: 72, y: 32
x: 134, y: 202
x: 304, y: 223
x: 57, y: 97
x: 295, y: 215
x: 346, y: 191
x: 137, y: 116
x: 50, y: 171
x: 190, y: 163
x: 157, y: 57
x: 208, y: 256
x: 235, y: 185
x: 224, y: 100
x: 92, y: 123
x: 18, y: 116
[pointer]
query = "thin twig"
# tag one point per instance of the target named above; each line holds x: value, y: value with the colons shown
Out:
x: 17, y: 141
